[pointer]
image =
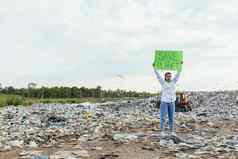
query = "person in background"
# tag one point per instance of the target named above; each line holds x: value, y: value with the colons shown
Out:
x: 168, y: 98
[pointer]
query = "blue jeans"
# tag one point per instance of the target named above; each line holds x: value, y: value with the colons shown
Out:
x: 164, y: 109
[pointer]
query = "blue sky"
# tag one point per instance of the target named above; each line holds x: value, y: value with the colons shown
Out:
x: 91, y: 42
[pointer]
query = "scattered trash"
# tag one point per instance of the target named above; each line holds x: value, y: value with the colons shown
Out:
x: 110, y: 155
x: 40, y: 157
x: 124, y: 137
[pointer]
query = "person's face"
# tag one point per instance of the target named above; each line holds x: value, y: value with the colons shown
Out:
x: 168, y: 77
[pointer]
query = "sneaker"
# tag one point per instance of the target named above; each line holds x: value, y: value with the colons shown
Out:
x: 163, y: 142
x: 173, y: 133
x: 162, y: 133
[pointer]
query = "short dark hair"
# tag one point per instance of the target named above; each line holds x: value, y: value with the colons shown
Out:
x: 167, y: 73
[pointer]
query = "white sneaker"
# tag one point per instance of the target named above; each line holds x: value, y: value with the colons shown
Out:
x: 173, y: 133
x: 163, y: 142
x: 162, y: 133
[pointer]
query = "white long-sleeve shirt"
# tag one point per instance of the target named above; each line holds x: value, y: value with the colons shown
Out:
x: 168, y: 88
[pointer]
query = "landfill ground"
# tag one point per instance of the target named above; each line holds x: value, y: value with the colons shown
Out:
x: 121, y: 130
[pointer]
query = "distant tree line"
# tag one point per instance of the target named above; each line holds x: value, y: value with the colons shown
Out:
x: 70, y: 92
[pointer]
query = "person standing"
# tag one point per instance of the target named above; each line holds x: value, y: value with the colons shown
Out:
x: 168, y: 98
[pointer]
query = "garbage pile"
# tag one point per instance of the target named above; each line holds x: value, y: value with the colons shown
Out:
x: 209, y: 131
x: 216, y: 104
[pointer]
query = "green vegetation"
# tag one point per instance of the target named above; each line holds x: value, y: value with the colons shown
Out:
x: 28, y: 96
x: 6, y: 100
x: 71, y: 92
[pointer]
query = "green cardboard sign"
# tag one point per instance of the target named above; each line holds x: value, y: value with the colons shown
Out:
x: 168, y: 60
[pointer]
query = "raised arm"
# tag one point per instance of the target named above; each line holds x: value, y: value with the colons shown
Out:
x: 176, y: 77
x: 161, y: 80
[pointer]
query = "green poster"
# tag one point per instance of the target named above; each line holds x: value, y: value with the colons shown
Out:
x: 168, y: 60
